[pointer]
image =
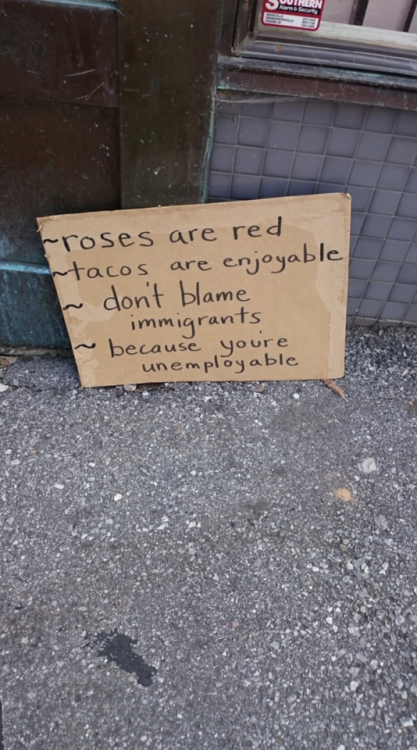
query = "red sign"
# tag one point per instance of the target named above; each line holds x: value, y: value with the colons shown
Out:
x: 303, y: 15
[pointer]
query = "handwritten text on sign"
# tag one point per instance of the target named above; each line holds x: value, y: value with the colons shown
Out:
x: 240, y: 291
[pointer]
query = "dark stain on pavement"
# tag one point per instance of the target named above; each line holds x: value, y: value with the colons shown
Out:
x: 118, y: 648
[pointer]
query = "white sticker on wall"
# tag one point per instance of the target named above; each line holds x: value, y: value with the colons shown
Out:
x: 293, y: 14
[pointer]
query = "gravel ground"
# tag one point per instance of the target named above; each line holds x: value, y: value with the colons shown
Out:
x: 209, y: 566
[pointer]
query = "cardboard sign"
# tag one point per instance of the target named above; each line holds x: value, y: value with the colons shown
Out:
x: 252, y: 290
x: 304, y: 15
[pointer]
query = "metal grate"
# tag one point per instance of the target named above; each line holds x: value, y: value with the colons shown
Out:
x: 302, y: 147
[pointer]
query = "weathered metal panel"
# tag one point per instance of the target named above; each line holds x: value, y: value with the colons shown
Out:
x: 59, y: 52
x: 29, y: 310
x: 247, y: 77
x: 55, y: 158
x: 167, y: 61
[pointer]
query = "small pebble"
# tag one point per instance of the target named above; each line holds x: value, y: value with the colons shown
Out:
x: 296, y: 396
x: 129, y: 387
x: 118, y: 496
x: 3, y: 388
x: 367, y: 466
x: 145, y: 394
x: 381, y: 522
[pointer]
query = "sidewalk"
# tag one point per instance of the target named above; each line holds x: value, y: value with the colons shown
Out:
x: 211, y: 566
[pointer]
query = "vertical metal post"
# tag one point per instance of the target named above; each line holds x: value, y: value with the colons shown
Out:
x: 360, y: 12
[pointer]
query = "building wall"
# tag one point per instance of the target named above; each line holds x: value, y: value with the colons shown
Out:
x: 301, y: 147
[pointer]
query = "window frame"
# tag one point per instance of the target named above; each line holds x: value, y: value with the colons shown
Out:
x: 347, y: 54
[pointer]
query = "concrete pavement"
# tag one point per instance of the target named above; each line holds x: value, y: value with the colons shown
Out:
x: 211, y: 565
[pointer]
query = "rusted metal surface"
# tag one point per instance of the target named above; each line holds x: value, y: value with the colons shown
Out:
x: 56, y: 158
x: 59, y: 52
x: 249, y: 76
x: 167, y: 62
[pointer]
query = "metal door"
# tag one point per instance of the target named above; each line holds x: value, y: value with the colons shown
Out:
x: 102, y: 106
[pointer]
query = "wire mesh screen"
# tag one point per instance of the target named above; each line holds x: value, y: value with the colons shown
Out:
x: 297, y: 147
